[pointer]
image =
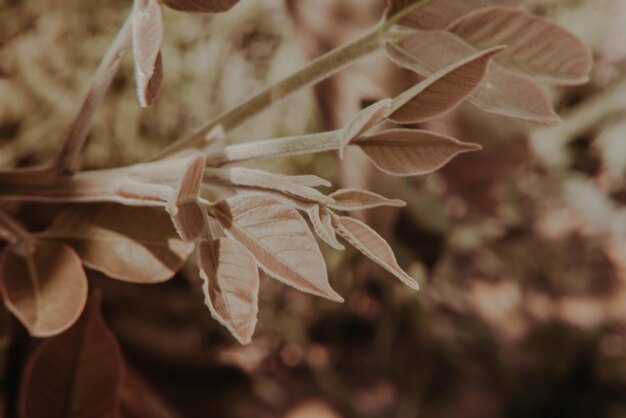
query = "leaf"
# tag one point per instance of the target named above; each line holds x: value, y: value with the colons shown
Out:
x: 187, y: 215
x: 263, y: 180
x: 44, y: 286
x: 147, y: 37
x: 438, y: 14
x: 76, y: 374
x: 502, y: 92
x: 373, y: 246
x: 309, y: 180
x: 322, y: 225
x: 231, y: 285
x: 536, y: 47
x: 410, y: 152
x: 443, y: 90
x: 362, y: 122
x: 355, y: 199
x: 203, y: 6
x: 280, y: 240
x: 134, y: 244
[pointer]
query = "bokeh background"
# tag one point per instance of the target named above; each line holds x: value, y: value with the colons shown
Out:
x: 520, y: 248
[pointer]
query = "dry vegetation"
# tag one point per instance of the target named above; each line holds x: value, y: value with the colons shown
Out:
x: 122, y: 229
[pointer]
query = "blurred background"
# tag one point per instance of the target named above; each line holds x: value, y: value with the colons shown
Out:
x: 520, y: 248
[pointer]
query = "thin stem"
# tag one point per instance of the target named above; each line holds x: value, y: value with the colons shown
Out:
x: 317, y: 70
x: 11, y: 230
x: 275, y: 147
x: 68, y: 159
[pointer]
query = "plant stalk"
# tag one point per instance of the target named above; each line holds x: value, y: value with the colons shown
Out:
x: 317, y: 70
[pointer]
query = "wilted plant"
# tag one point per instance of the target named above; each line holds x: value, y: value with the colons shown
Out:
x: 140, y: 223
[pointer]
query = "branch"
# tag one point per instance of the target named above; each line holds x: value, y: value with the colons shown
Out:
x: 68, y: 159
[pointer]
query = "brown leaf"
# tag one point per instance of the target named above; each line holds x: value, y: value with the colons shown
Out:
x: 502, y: 92
x: 263, y: 180
x: 438, y: 14
x: 442, y: 91
x: 44, y: 286
x: 183, y: 206
x: 147, y: 38
x: 231, y: 285
x: 355, y: 199
x: 203, y: 6
x: 535, y: 47
x: 134, y: 244
x: 410, y: 152
x: 309, y: 180
x: 363, y: 121
x: 372, y: 245
x: 280, y: 240
x: 76, y: 374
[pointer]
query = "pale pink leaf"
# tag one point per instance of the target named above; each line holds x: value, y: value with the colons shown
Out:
x: 202, y: 6
x: 373, y: 246
x: 362, y: 122
x: 443, y: 90
x: 147, y: 37
x: 280, y: 240
x: 183, y: 206
x: 535, y: 47
x: 355, y: 199
x: 44, y: 286
x: 438, y: 14
x: 135, y: 244
x: 263, y: 180
x: 77, y: 374
x: 309, y: 180
x: 231, y: 285
x: 409, y: 152
x: 502, y: 92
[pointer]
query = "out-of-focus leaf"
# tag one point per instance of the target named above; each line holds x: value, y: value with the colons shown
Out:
x: 135, y: 244
x: 187, y: 215
x: 44, y: 286
x: 355, y: 199
x: 410, y: 152
x: 502, y: 91
x: 443, y: 90
x: 202, y: 6
x: 231, y: 285
x: 76, y: 374
x: 535, y: 46
x: 280, y: 240
x: 372, y: 245
x: 147, y: 37
x: 363, y: 121
x: 438, y: 14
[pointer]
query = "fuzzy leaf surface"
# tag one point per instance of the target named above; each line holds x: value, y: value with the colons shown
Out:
x: 231, y: 285
x: 280, y: 240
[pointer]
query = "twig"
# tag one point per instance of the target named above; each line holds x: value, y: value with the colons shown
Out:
x: 68, y: 159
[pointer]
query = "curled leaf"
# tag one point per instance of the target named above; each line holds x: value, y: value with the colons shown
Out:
x: 536, y: 47
x: 76, y: 374
x: 187, y: 215
x: 231, y: 285
x: 443, y: 90
x: 147, y: 38
x: 44, y: 286
x: 280, y: 240
x: 134, y: 244
x: 263, y: 180
x: 202, y: 6
x: 362, y: 122
x: 373, y: 246
x: 409, y: 152
x: 501, y: 92
x: 438, y: 14
x: 355, y: 199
